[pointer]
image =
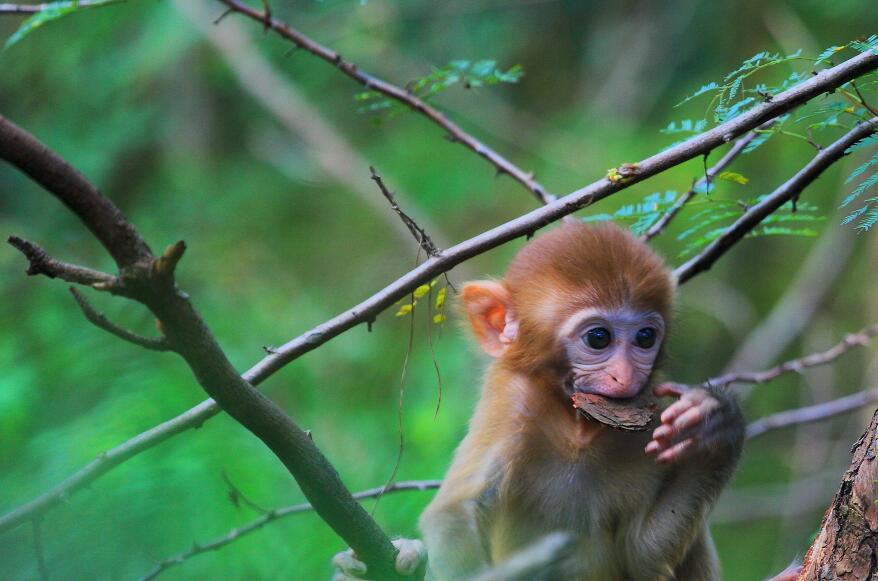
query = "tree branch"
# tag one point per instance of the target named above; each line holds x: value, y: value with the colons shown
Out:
x: 739, y: 146
x: 396, y: 93
x: 101, y: 321
x: 812, y: 413
x: 277, y: 514
x: 824, y: 81
x: 857, y: 339
x: 41, y: 263
x: 785, y: 193
x: 25, y: 9
x: 97, y: 212
x: 422, y: 237
x: 150, y: 281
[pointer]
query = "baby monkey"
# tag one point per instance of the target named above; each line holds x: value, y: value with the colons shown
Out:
x: 582, y: 309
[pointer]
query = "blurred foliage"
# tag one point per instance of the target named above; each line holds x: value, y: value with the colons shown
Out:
x: 135, y: 98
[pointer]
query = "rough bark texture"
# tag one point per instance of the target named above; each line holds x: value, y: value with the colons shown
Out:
x: 629, y: 416
x: 846, y: 548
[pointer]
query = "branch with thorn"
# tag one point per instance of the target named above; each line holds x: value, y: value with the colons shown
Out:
x: 399, y: 94
x: 418, y: 232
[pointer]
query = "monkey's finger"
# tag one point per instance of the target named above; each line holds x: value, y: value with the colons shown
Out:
x: 411, y: 554
x: 670, y: 389
x: 349, y: 565
x: 663, y: 433
x: 689, y: 419
x: 655, y: 446
x: 675, y: 409
x: 676, y: 452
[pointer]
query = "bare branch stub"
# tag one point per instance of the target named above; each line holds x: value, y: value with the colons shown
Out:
x: 820, y: 83
x: 39, y: 262
x: 417, y: 231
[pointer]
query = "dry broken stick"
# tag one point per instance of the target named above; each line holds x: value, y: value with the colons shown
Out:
x: 420, y: 235
x: 367, y: 310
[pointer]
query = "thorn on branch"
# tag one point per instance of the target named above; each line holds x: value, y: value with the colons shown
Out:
x: 165, y: 264
x: 222, y: 16
x: 101, y: 321
x: 420, y: 235
x: 269, y: 349
x: 266, y: 17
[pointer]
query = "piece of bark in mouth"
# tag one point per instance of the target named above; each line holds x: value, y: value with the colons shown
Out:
x: 629, y: 415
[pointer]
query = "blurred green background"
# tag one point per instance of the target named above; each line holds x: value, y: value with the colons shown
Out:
x: 257, y: 158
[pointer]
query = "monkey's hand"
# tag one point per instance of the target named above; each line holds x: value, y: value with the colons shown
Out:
x: 412, y: 557
x: 701, y: 421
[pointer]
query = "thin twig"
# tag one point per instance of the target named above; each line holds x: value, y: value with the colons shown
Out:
x: 6, y: 8
x: 100, y: 320
x: 237, y: 497
x: 277, y: 514
x: 38, y: 548
x: 739, y: 146
x: 789, y: 191
x: 863, y: 101
x: 41, y: 263
x: 367, y: 310
x: 857, y: 339
x: 399, y: 94
x: 813, y: 413
x: 420, y: 235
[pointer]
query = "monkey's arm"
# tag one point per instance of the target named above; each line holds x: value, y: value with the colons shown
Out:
x: 701, y: 435
x: 455, y: 523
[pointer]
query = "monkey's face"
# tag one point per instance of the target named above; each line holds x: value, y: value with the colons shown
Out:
x: 611, y: 352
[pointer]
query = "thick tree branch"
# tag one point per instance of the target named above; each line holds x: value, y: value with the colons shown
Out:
x: 846, y: 546
x: 396, y: 93
x: 150, y: 281
x: 277, y: 514
x: 789, y: 191
x: 101, y: 321
x: 737, y: 148
x: 97, y: 212
x: 812, y: 413
x: 823, y: 81
x: 41, y: 263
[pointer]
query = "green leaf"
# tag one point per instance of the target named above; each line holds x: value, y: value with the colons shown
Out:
x: 52, y: 11
x: 864, y: 142
x: 731, y: 176
x: 709, y: 87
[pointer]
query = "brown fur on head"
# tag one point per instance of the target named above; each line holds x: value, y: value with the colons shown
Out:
x: 572, y: 267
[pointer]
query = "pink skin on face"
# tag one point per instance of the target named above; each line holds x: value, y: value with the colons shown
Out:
x: 608, y: 353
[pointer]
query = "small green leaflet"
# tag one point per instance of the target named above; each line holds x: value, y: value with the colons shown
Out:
x: 52, y: 11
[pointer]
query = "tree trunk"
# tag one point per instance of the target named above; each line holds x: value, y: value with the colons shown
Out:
x: 846, y: 547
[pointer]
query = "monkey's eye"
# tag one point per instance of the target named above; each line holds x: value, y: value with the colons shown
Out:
x: 645, y: 337
x: 597, y: 338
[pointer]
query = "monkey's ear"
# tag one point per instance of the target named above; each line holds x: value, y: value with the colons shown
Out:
x: 487, y: 305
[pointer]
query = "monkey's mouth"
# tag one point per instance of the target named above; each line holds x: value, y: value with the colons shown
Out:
x: 574, y: 384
